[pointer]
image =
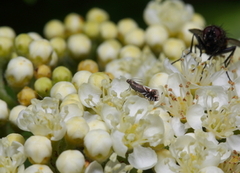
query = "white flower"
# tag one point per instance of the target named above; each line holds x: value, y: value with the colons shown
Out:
x: 38, y: 149
x: 71, y: 161
x: 89, y: 94
x: 232, y: 163
x: 165, y: 162
x: 12, y: 155
x: 199, y: 71
x: 195, y: 152
x: 43, y: 118
x: 171, y: 13
x: 114, y: 166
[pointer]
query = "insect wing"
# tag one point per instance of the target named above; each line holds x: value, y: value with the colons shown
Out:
x: 233, y: 41
x: 196, y: 32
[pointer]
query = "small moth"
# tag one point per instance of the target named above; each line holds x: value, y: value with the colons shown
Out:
x: 150, y: 94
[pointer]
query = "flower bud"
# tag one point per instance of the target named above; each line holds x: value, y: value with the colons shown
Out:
x: 97, y: 15
x: 14, y: 114
x: 94, y: 142
x: 19, y: 72
x: 70, y: 161
x: 185, y: 35
x: 35, y: 35
x: 91, y: 29
x: 130, y: 51
x: 53, y: 60
x: 22, y: 42
x: 7, y: 32
x: 61, y: 73
x: 43, y: 86
x: 155, y: 36
x: 73, y: 23
x: 77, y: 128
x: 15, y: 137
x: 108, y: 30
x: 80, y: 77
x: 79, y: 46
x: 4, y: 113
x: 126, y: 25
x: 38, y: 149
x: 38, y: 168
x: 6, y: 48
x: 40, y: 52
x: 173, y: 48
x: 88, y: 65
x: 54, y: 28
x: 159, y: 79
x: 62, y: 89
x: 97, y: 78
x: 59, y: 45
x: 72, y: 99
x: 135, y: 37
x: 97, y: 124
x: 43, y: 71
x: 26, y: 95
x: 199, y: 20
x: 108, y: 51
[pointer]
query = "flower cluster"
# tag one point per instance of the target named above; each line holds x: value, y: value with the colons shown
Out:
x: 79, y: 114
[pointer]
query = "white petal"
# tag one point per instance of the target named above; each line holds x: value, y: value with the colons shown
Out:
x: 233, y: 142
x: 118, y: 144
x: 154, y: 132
x: 165, y: 162
x: 194, y: 115
x: 119, y: 85
x: 177, y: 126
x: 142, y: 158
x: 110, y: 115
x: 89, y: 92
x: 94, y: 167
x: 211, y: 169
x: 137, y: 107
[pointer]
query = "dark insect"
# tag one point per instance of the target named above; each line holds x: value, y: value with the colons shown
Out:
x: 213, y: 41
x: 151, y: 94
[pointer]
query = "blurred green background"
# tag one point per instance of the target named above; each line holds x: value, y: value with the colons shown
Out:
x: 31, y: 15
